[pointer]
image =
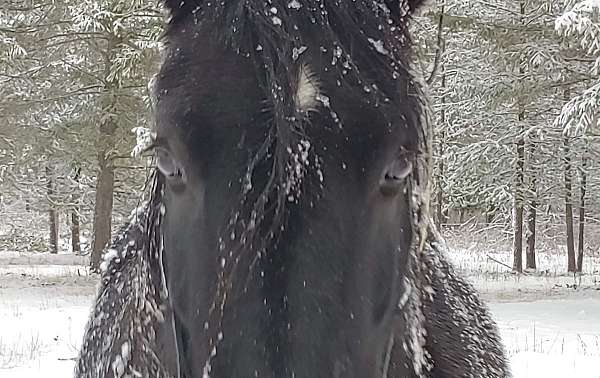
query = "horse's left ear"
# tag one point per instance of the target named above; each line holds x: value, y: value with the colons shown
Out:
x: 400, y: 8
x: 414, y: 4
x: 179, y: 8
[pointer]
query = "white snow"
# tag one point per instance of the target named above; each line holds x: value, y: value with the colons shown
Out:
x: 552, y: 338
x: 379, y: 46
x: 549, y: 330
x: 108, y: 256
x: 43, y: 311
x: 144, y: 139
x: 324, y: 100
x: 549, y: 321
x: 294, y: 4
x: 297, y: 51
x: 276, y: 20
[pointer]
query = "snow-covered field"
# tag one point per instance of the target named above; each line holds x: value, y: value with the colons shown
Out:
x: 44, y: 304
x: 550, y: 323
x: 552, y: 338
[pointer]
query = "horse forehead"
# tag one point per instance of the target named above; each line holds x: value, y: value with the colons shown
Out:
x: 204, y: 83
x: 200, y: 77
x: 204, y: 67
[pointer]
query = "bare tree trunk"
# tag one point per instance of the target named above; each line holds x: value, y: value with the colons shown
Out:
x: 52, y: 212
x: 569, y: 207
x: 519, y: 199
x: 104, y: 203
x: 75, y: 229
x: 531, y: 234
x: 439, y: 199
x: 530, y: 262
x: 519, y: 181
x: 106, y: 175
x: 441, y: 217
x: 583, y: 188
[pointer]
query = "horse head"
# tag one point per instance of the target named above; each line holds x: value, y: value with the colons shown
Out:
x: 290, y: 141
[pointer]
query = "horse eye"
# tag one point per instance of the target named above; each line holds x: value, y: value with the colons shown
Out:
x: 394, y: 174
x: 399, y: 169
x: 169, y: 167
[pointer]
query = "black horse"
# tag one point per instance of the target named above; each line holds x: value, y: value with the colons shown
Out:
x: 286, y: 233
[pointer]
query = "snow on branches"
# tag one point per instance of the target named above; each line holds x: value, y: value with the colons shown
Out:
x: 582, y: 22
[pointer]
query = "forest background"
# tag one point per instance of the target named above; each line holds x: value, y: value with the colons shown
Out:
x: 514, y: 85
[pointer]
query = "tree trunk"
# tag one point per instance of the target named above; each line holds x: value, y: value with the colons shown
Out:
x: 440, y: 214
x: 103, y: 206
x: 75, y: 229
x: 583, y: 188
x: 52, y: 212
x: 519, y: 181
x: 105, y: 181
x: 569, y: 207
x: 518, y: 210
x: 530, y: 262
x: 439, y: 199
x: 531, y: 222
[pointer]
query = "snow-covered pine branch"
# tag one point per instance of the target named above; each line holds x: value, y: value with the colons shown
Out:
x: 582, y: 22
x: 581, y: 112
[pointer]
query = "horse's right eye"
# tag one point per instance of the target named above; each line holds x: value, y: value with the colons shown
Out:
x: 169, y: 167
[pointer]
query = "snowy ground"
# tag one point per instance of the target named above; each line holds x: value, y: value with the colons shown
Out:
x: 550, y: 328
x: 552, y: 338
x: 549, y: 321
x: 44, y: 304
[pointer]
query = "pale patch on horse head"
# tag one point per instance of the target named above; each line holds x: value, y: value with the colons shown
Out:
x: 307, y: 90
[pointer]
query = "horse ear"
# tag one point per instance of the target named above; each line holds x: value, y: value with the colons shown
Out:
x: 414, y: 4
x: 180, y: 8
x: 402, y: 8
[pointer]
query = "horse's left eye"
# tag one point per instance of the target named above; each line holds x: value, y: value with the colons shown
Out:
x: 169, y: 167
x: 394, y: 174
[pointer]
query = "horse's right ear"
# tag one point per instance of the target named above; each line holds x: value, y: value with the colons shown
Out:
x: 181, y: 8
